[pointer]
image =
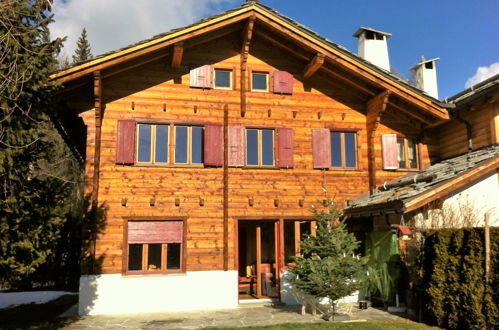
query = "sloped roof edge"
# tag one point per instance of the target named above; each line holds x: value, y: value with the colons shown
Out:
x: 244, y: 9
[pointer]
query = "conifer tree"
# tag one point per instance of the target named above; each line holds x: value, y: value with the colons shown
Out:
x: 82, y: 52
x: 36, y: 171
x: 328, y: 266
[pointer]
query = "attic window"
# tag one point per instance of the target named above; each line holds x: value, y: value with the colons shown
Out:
x: 428, y: 65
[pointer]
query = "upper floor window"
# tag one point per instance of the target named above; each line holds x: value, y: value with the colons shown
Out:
x: 407, y: 153
x: 223, y: 79
x: 259, y: 147
x: 154, y: 246
x: 260, y: 81
x: 399, y: 152
x: 188, y: 144
x: 344, y: 149
x: 152, y: 143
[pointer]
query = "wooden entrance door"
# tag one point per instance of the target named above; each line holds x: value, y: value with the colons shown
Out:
x: 259, y: 264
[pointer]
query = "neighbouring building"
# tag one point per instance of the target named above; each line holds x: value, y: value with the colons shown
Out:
x: 206, y: 146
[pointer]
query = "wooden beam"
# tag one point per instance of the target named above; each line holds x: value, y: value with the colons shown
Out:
x: 375, y: 109
x: 226, y: 187
x: 302, y: 56
x: 314, y: 65
x: 178, y: 52
x: 247, y: 36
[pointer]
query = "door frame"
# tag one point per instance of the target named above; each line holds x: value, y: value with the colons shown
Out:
x: 278, y: 244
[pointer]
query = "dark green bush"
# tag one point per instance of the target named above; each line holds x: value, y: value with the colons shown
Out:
x: 453, y: 276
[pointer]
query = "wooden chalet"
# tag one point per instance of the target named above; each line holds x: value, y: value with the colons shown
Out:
x: 206, y: 146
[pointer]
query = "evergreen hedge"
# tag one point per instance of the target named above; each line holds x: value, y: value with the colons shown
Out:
x: 453, y: 279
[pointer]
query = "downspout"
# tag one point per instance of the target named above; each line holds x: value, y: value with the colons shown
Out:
x: 226, y: 188
x: 469, y: 128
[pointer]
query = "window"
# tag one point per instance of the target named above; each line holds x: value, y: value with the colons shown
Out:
x: 407, y: 153
x: 344, y: 149
x: 188, y: 145
x: 223, y: 79
x: 294, y: 230
x: 260, y: 81
x: 152, y: 144
x: 155, y: 246
x: 259, y: 147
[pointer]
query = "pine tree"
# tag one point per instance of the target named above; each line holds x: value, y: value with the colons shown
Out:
x: 36, y: 169
x: 328, y: 266
x: 82, y: 52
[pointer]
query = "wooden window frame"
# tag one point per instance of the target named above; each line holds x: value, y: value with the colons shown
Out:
x: 153, y: 144
x: 260, y: 147
x: 189, y: 145
x: 267, y: 74
x: 297, y: 236
x: 145, y: 249
x: 406, y: 152
x: 231, y: 72
x: 343, y: 151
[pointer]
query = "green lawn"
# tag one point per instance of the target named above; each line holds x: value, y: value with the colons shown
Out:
x: 381, y: 325
x: 38, y: 316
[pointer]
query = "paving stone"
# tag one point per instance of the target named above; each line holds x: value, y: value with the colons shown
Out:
x: 239, y: 317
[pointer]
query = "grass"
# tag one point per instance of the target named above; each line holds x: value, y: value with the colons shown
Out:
x: 38, y: 316
x: 378, y: 325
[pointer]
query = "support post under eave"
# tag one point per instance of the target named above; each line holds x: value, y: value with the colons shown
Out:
x: 226, y: 187
x: 247, y: 35
x: 178, y: 52
x: 95, y: 183
x: 375, y: 109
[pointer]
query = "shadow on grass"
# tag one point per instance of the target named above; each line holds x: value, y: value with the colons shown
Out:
x: 39, y: 316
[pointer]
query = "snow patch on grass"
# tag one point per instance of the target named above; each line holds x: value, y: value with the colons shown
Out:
x: 11, y: 299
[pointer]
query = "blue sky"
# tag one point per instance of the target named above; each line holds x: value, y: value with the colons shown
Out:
x: 463, y: 33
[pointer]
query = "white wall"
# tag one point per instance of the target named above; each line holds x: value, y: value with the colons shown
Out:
x: 119, y: 294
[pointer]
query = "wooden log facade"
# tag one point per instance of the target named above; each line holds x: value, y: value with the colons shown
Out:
x: 270, y: 89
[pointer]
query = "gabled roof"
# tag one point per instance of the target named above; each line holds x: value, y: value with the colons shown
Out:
x: 489, y: 85
x: 271, y: 18
x: 441, y: 179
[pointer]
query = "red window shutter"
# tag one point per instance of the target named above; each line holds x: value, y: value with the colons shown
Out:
x: 321, y: 145
x: 283, y: 82
x: 213, y: 145
x: 155, y: 232
x: 390, y: 151
x: 286, y: 147
x: 125, y: 142
x: 236, y: 146
x: 201, y: 77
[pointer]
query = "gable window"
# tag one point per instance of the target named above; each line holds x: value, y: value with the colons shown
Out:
x: 407, y: 153
x: 223, y: 79
x: 344, y: 149
x: 154, y: 246
x: 152, y: 143
x: 260, y: 81
x: 259, y: 147
x: 188, y: 144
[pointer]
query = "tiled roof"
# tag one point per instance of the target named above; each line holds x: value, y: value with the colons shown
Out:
x: 441, y: 172
x: 407, y: 83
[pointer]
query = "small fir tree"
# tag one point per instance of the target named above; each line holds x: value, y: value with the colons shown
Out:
x: 82, y: 52
x: 328, y: 266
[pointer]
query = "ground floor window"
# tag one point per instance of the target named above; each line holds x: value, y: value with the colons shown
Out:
x: 154, y: 246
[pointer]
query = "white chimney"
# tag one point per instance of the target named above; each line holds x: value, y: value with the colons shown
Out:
x: 373, y: 46
x: 426, y: 76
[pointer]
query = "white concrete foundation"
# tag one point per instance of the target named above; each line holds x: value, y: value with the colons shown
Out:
x: 121, y: 294
x: 288, y: 298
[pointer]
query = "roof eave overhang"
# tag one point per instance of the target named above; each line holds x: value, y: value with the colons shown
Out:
x: 373, y: 75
